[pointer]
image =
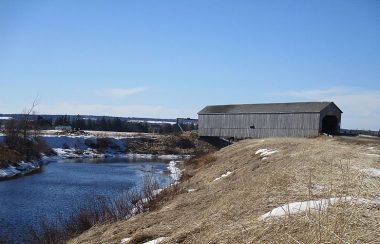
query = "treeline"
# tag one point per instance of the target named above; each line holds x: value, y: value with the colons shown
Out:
x: 109, y: 124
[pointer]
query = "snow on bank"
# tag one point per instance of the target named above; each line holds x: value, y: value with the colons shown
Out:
x: 175, y: 172
x: 71, y: 153
x: 79, y: 147
x: 157, y: 156
x: 313, y: 205
x: 21, y: 168
x: 81, y: 142
x: 82, y: 146
x: 9, y: 171
x: 223, y: 175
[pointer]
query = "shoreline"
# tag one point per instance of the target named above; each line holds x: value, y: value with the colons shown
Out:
x: 92, y: 154
x: 87, y: 147
x: 34, y: 167
x: 22, y: 169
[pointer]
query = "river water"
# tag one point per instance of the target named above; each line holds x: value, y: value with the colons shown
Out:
x: 65, y: 185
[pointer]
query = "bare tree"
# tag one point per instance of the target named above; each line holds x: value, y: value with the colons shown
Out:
x: 26, y: 122
x: 18, y: 133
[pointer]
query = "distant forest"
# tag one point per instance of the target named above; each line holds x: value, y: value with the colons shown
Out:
x: 109, y: 124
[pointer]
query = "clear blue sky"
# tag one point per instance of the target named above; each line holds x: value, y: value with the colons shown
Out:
x: 170, y: 58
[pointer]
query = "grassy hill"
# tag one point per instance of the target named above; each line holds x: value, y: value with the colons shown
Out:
x: 327, y: 190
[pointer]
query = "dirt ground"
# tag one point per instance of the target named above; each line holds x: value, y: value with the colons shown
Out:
x: 228, y: 210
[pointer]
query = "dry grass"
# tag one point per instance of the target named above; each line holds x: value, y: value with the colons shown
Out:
x: 9, y: 156
x: 227, y: 210
x: 185, y: 143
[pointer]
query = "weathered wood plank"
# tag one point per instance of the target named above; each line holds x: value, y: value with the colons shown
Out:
x: 265, y: 125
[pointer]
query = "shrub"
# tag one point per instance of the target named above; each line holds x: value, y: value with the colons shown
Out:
x: 15, y: 150
x: 8, y: 156
x: 65, y: 146
x: 42, y: 147
x: 101, y: 144
x: 184, y: 143
x: 4, y: 240
x: 178, y: 141
x: 90, y: 143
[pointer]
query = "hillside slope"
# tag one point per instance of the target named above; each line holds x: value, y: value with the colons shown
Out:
x: 225, y: 197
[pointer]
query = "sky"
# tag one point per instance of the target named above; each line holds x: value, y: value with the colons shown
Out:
x: 169, y: 59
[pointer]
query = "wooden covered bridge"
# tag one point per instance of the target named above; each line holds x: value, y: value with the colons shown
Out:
x: 304, y: 119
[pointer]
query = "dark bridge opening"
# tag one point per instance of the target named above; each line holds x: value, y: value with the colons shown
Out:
x: 330, y: 125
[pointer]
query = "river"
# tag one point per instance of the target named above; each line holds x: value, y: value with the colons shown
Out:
x: 65, y: 185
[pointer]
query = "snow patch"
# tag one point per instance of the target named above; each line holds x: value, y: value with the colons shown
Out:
x: 191, y: 190
x: 372, y: 154
x: 125, y: 240
x: 372, y: 172
x: 368, y: 136
x: 223, y: 175
x: 153, y: 121
x: 313, y: 205
x: 316, y: 187
x: 261, y: 151
x: 264, y: 153
x: 156, y: 192
x: 155, y: 241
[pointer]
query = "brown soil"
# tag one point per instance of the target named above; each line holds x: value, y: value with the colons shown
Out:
x: 227, y: 210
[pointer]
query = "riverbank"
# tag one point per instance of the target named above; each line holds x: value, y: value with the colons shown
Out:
x: 278, y: 190
x: 97, y: 145
x: 20, y: 169
x: 27, y: 168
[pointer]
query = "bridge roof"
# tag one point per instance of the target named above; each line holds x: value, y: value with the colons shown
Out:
x: 299, y: 107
